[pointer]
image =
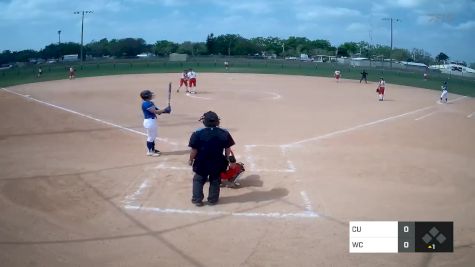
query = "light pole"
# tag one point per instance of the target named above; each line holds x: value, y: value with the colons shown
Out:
x: 391, y: 51
x: 82, y: 28
x: 59, y: 37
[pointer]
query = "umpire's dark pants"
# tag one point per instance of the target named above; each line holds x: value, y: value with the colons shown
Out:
x: 214, y: 187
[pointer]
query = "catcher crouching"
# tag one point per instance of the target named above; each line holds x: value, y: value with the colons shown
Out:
x: 229, y: 178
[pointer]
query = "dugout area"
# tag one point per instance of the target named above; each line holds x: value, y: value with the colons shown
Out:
x: 77, y: 189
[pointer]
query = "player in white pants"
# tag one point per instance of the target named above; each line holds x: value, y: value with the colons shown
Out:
x: 445, y: 92
x: 192, y: 81
x: 381, y: 88
x: 150, y: 112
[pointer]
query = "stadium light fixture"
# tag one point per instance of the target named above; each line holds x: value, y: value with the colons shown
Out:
x: 82, y: 28
x: 391, y: 51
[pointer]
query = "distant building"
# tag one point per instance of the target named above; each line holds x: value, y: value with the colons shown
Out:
x: 144, y: 55
x: 413, y: 65
x: 454, y: 69
x: 178, y: 57
x: 73, y: 57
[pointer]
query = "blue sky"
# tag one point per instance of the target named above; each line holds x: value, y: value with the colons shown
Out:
x: 434, y: 25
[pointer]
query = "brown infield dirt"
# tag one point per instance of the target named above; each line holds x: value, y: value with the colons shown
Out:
x: 76, y: 191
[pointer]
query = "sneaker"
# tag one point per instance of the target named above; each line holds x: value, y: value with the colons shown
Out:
x: 155, y: 153
x: 198, y: 203
x: 212, y: 203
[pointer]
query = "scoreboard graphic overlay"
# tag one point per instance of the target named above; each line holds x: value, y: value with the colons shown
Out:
x: 395, y: 237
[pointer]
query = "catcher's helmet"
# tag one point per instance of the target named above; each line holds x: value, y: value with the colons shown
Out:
x: 210, y: 119
x: 146, y: 94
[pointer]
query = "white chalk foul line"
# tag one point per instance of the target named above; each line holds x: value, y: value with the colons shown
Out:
x: 274, y: 215
x: 88, y: 116
x: 176, y: 168
x: 328, y: 135
x: 427, y: 115
x: 275, y: 96
x: 130, y: 199
x: 199, y: 97
x: 471, y: 115
x: 306, y: 202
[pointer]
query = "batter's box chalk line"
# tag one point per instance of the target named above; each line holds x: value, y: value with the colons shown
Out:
x: 255, y: 166
x: 131, y: 203
x: 251, y: 161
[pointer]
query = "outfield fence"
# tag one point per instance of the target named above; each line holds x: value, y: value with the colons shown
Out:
x: 410, y: 77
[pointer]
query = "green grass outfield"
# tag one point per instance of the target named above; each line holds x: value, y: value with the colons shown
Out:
x: 27, y: 74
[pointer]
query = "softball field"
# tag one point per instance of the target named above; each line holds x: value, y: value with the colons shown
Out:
x: 76, y: 188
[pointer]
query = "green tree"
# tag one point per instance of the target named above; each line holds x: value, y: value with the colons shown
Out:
x: 6, y: 57
x: 298, y: 44
x: 211, y: 44
x: 25, y: 55
x: 441, y: 57
x: 98, y: 48
x: 243, y: 46
x: 186, y: 48
x: 224, y: 44
x: 59, y: 50
x: 321, y: 44
x: 421, y: 56
x: 128, y: 47
x: 164, y: 47
x: 401, y: 54
x: 348, y: 49
x: 381, y: 51
x: 200, y: 49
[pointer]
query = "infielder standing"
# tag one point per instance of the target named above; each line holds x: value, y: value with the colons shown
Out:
x: 337, y: 75
x: 72, y: 73
x: 364, y: 76
x: 150, y: 112
x: 380, y: 89
x: 192, y: 81
x: 445, y: 92
x: 183, y: 81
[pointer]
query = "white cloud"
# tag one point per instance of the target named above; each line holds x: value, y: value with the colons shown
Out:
x: 358, y: 27
x: 408, y: 3
x: 424, y: 20
x: 465, y: 26
x: 34, y: 11
x: 325, y: 12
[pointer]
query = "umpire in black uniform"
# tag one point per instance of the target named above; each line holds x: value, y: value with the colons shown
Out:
x: 210, y: 149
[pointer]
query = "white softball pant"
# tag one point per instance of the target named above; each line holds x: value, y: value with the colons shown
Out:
x: 151, y: 127
x: 444, y: 94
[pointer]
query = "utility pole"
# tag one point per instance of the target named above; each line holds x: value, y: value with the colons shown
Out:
x: 82, y: 28
x: 59, y: 37
x: 391, y: 51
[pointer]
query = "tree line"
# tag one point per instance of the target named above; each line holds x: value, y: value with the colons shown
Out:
x: 226, y: 44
